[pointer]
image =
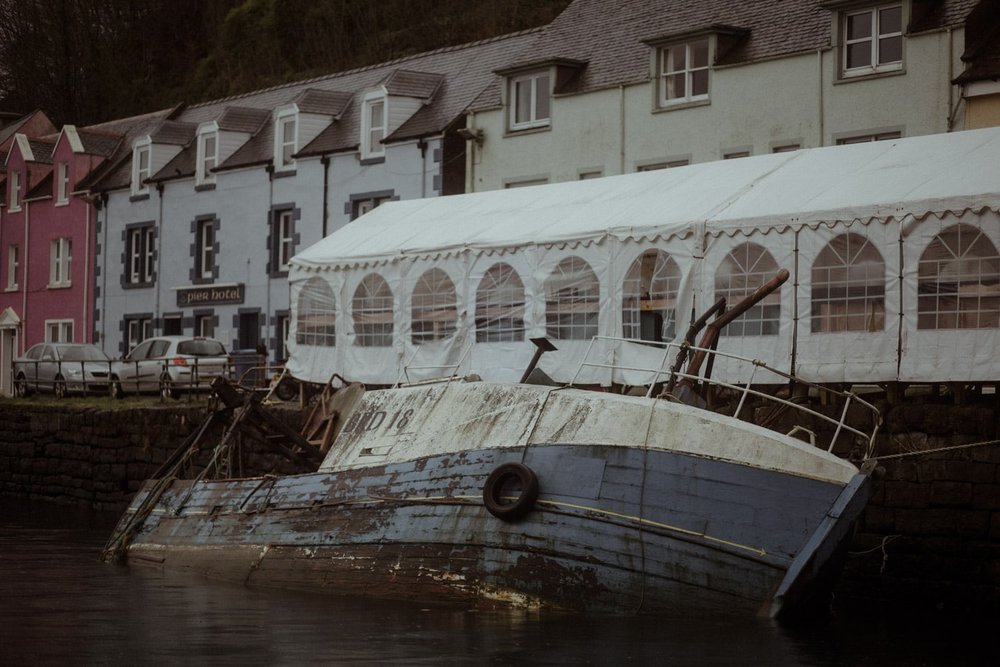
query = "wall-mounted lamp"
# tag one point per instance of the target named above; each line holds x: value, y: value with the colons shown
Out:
x: 471, y: 134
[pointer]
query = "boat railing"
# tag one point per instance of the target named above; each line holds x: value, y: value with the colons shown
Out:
x: 451, y: 370
x: 674, y: 384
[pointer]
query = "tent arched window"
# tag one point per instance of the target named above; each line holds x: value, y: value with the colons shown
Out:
x: 316, y: 320
x: 649, y: 297
x: 571, y: 301
x: 433, y: 309
x: 372, y: 312
x: 848, y: 286
x: 958, y: 281
x: 745, y: 268
x: 500, y: 306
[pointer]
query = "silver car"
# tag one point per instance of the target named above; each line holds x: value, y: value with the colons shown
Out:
x: 170, y: 365
x: 62, y: 368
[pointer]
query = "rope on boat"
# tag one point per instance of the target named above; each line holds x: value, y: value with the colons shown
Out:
x: 936, y: 450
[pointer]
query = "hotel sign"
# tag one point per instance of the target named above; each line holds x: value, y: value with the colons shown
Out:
x: 211, y: 295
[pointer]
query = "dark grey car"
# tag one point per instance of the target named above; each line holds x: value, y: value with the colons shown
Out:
x: 62, y: 368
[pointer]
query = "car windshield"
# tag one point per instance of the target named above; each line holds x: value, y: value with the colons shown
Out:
x: 84, y: 353
x: 201, y: 348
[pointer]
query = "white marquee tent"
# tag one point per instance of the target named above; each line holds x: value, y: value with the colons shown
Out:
x: 892, y: 247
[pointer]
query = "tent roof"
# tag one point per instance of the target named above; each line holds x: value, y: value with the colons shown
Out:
x: 920, y: 176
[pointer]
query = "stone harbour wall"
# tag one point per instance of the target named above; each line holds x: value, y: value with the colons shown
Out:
x: 99, y: 458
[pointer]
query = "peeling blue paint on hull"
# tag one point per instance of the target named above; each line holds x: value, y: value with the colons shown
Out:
x: 618, y: 529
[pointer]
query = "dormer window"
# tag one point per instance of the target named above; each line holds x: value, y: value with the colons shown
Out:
x: 530, y: 100
x: 872, y: 40
x: 62, y: 183
x: 15, y: 191
x: 285, y: 139
x: 208, y: 155
x: 141, y: 156
x: 684, y: 72
x: 373, y: 126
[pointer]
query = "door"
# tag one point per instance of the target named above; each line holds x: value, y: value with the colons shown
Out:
x: 8, y: 347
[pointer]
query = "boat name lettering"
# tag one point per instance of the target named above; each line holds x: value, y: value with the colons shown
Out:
x: 371, y: 420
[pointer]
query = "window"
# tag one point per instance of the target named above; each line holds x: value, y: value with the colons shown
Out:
x: 587, y: 175
x: 15, y: 191
x: 530, y: 96
x: 848, y: 286
x: 745, y: 268
x: 205, y: 250
x: 316, y: 320
x: 372, y: 312
x: 526, y: 183
x: 58, y: 331
x: 140, y: 248
x: 433, y: 309
x: 684, y: 72
x: 204, y: 325
x: 208, y: 157
x: 656, y: 166
x: 361, y: 206
x: 373, y: 127
x: 60, y: 259
x: 873, y: 40
x: 865, y: 138
x: 735, y: 155
x: 649, y: 297
x: 249, y: 330
x: 500, y: 306
x: 172, y: 325
x: 958, y: 281
x: 571, y: 301
x: 137, y: 329
x: 786, y: 148
x: 62, y: 183
x: 282, y: 240
x: 282, y: 329
x: 141, y: 167
x: 285, y: 140
x: 12, y: 266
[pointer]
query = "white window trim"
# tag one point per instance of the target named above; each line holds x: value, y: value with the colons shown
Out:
x: 139, y: 175
x: 206, y: 249
x: 13, y: 264
x: 206, y: 163
x: 15, y: 192
x: 369, y: 148
x: 533, y: 120
x: 64, y: 331
x: 874, y: 68
x: 283, y: 118
x: 286, y: 238
x: 60, y: 262
x: 62, y: 184
x: 662, y: 73
x: 140, y: 255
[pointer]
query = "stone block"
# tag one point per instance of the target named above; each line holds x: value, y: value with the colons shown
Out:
x: 953, y: 494
x: 986, y: 496
x: 907, y: 495
x: 923, y: 522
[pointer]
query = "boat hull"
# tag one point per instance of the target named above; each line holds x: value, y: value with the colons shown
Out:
x: 614, y: 529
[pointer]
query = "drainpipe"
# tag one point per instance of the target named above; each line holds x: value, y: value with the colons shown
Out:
x: 325, y: 161
x: 86, y: 275
x: 621, y: 129
x: 103, y: 206
x: 159, y: 255
x: 471, y: 154
x: 25, y: 274
x: 275, y: 253
x: 822, y: 128
x: 422, y: 145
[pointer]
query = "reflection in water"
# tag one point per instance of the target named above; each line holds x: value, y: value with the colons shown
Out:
x: 60, y: 605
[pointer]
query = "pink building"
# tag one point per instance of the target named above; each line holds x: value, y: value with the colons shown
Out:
x: 47, y: 240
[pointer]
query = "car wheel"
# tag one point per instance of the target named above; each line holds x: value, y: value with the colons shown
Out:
x: 59, y: 387
x: 287, y: 389
x: 21, y: 387
x: 115, y: 388
x: 167, y: 389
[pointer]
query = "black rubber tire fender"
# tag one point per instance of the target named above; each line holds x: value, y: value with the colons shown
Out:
x: 497, y: 505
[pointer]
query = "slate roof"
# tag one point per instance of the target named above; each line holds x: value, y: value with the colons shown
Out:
x: 42, y: 189
x: 982, y: 38
x: 42, y: 150
x: 448, y: 78
x: 609, y: 34
x: 174, y: 133
x: 99, y: 143
x: 116, y: 171
x: 242, y: 119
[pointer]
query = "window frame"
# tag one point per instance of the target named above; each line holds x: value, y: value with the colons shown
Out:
x: 500, y: 305
x: 62, y: 183
x: 581, y: 323
x: 688, y: 71
x: 373, y: 148
x: 534, y: 120
x: 137, y: 328
x: 639, y: 295
x: 381, y: 334
x: 60, y: 262
x: 205, y: 254
x: 13, y: 264
x: 205, y: 162
x: 62, y: 328
x: 855, y: 254
x: 317, y: 306
x: 15, y: 191
x: 284, y: 238
x: 953, y: 239
x: 433, y: 293
x: 140, y: 173
x: 140, y: 253
x: 283, y: 120
x: 767, y: 313
x: 875, y: 37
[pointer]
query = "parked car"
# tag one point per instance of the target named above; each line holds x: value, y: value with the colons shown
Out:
x: 62, y: 368
x: 170, y: 365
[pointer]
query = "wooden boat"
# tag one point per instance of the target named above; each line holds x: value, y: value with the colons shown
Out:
x: 532, y: 496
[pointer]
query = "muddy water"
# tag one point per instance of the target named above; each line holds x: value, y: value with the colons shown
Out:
x: 59, y: 605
